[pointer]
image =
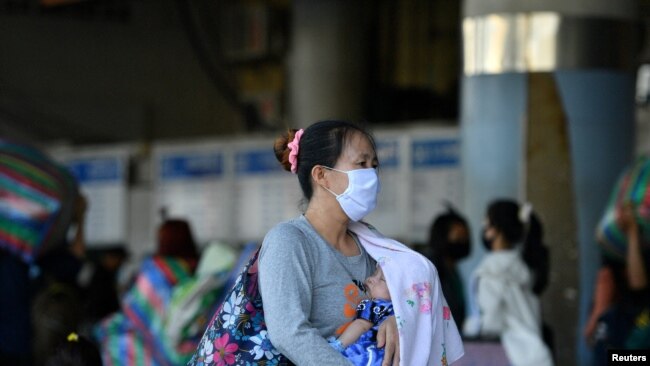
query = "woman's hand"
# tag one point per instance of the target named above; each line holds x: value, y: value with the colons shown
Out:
x: 637, y: 276
x: 389, y: 336
x: 78, y: 245
x: 627, y: 219
x: 80, y: 208
x: 603, y: 298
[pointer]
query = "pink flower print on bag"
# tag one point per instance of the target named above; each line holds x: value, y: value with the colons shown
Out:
x: 237, y: 333
x: 224, y: 351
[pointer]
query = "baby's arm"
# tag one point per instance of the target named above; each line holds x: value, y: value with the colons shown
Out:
x: 354, y: 331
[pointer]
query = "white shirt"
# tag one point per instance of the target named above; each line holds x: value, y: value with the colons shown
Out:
x: 502, y: 286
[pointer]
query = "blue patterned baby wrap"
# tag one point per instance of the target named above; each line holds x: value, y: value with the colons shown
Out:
x: 364, y: 351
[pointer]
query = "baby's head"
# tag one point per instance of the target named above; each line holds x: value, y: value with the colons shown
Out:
x: 376, y: 286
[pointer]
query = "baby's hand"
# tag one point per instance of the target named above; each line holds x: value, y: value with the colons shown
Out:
x: 354, y: 331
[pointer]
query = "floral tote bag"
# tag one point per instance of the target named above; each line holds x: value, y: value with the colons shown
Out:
x: 237, y: 334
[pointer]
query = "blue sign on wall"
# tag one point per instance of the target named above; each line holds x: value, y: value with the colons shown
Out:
x: 259, y: 161
x: 388, y: 153
x: 435, y: 153
x: 209, y: 165
x: 96, y: 170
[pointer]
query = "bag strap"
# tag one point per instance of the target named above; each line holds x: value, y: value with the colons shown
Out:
x: 251, y: 267
x: 241, y: 267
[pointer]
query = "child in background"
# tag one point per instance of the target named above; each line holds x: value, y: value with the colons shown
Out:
x: 358, y: 343
x: 75, y: 351
x: 449, y: 243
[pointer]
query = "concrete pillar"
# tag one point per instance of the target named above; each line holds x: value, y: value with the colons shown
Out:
x: 643, y: 97
x: 327, y: 60
x: 547, y: 116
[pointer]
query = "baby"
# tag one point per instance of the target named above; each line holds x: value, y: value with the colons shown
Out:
x: 358, y: 343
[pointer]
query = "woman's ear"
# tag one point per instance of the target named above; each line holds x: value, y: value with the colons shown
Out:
x: 318, y: 175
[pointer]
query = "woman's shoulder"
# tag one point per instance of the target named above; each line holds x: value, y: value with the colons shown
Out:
x: 287, y: 237
x: 290, y: 229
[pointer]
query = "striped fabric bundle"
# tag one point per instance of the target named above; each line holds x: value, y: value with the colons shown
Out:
x: 190, y: 307
x: 36, y: 200
x: 164, y: 313
x: 122, y: 345
x: 136, y: 335
x: 633, y: 186
x: 147, y: 303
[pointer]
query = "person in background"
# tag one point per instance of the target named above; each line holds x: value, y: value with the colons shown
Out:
x: 101, y: 295
x: 637, y: 264
x: 15, y: 321
x: 75, y: 350
x: 175, y: 239
x: 146, y: 305
x: 57, y: 300
x: 448, y: 244
x: 621, y: 308
x: 506, y: 284
x: 37, y: 201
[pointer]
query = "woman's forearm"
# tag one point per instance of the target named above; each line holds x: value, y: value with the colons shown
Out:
x: 636, y: 271
x: 604, y: 294
x: 603, y: 298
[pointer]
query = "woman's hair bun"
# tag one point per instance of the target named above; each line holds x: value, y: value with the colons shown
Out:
x: 282, y: 150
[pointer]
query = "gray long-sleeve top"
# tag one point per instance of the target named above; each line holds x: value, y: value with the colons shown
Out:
x: 307, y: 291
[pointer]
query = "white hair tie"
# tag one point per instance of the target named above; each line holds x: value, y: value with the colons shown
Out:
x: 524, y: 213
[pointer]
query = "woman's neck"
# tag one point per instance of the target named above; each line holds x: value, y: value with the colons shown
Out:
x: 332, y: 228
x: 500, y: 244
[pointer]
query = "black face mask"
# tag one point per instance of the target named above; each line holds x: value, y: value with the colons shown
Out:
x: 457, y: 250
x: 487, y: 243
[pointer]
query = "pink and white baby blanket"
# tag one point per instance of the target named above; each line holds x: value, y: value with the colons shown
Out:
x: 427, y: 332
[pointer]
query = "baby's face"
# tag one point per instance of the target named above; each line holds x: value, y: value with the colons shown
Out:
x: 376, y: 285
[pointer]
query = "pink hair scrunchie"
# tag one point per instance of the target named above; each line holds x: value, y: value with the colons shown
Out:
x: 294, y: 148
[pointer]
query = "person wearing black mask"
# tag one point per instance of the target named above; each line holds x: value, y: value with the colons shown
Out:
x: 507, y: 283
x: 448, y: 244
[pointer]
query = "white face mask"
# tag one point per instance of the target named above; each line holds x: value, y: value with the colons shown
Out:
x: 360, y: 198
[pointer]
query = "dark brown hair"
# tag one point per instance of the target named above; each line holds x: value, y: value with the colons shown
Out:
x: 503, y: 215
x: 321, y: 144
x: 175, y: 239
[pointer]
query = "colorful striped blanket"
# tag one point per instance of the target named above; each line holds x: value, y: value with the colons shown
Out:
x: 36, y: 200
x: 633, y: 186
x: 163, y: 315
